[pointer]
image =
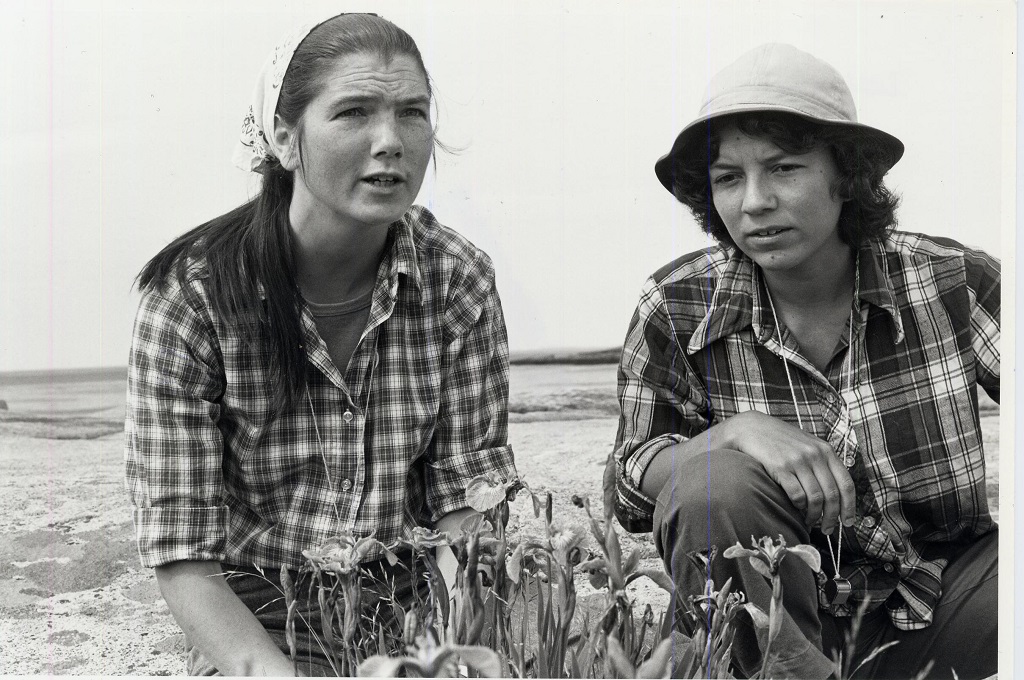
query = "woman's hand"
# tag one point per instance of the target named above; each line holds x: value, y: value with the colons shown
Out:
x: 806, y: 467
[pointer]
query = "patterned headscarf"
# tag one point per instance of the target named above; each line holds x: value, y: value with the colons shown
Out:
x: 256, y: 142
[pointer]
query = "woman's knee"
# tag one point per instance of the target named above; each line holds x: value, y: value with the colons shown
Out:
x: 724, y: 494
x: 721, y: 477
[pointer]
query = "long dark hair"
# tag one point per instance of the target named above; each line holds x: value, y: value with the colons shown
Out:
x: 248, y: 252
x: 862, y: 162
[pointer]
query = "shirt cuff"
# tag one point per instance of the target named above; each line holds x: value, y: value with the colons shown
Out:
x: 170, y: 534
x: 450, y: 484
x: 642, y: 457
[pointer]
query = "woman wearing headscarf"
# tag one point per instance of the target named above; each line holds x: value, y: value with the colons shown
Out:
x: 325, y: 358
x: 813, y: 376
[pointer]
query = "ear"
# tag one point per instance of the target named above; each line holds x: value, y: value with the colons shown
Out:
x: 286, y: 144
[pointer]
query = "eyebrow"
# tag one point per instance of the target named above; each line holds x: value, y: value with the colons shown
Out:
x: 415, y: 99
x: 347, y: 99
x: 770, y: 158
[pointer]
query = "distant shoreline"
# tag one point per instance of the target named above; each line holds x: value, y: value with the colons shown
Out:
x: 103, y: 373
x: 64, y: 375
x: 593, y: 356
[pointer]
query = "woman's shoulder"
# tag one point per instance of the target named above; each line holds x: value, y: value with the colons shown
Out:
x: 434, y: 239
x: 181, y: 292
x: 695, y: 268
x: 940, y: 258
x: 187, y: 277
x: 916, y: 245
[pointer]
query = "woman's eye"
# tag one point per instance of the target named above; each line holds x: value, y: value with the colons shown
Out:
x: 786, y: 167
x: 351, y: 113
x: 414, y: 113
x: 722, y: 180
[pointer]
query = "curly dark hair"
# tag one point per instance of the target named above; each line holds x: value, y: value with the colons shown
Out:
x: 861, y: 159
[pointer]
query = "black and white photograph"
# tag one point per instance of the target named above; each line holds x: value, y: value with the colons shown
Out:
x: 530, y: 339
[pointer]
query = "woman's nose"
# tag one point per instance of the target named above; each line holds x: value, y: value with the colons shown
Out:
x: 758, y: 195
x: 387, y: 138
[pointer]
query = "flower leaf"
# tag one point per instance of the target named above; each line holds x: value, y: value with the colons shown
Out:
x: 808, y: 554
x: 758, y: 564
x: 659, y: 665
x: 598, y: 579
x: 484, y: 493
x: 757, y: 615
x: 632, y: 561
x: 660, y: 577
x: 391, y: 557
x: 775, y: 615
x: 514, y: 565
x: 474, y: 525
x: 621, y: 666
x: 381, y: 667
x: 734, y: 551
x: 536, y: 504
x: 483, y: 660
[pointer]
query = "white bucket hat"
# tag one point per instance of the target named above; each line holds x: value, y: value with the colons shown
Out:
x: 775, y: 77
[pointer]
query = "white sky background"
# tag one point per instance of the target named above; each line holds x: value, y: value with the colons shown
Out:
x: 117, y: 121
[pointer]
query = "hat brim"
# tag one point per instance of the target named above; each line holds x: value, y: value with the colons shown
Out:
x: 664, y: 168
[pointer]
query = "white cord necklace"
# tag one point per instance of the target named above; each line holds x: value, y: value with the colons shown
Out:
x: 323, y: 455
x: 838, y: 589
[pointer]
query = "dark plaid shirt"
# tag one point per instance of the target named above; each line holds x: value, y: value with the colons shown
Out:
x: 421, y: 410
x: 702, y: 347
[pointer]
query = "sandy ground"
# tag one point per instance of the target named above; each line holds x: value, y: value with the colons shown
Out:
x: 73, y: 599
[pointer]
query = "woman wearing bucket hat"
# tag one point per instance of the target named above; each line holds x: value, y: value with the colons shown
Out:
x: 813, y: 376
x: 325, y: 359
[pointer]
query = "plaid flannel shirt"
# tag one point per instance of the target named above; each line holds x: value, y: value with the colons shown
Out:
x: 702, y: 347
x: 421, y: 410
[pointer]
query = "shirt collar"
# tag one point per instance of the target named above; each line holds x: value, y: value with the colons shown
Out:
x: 732, y: 303
x: 400, y: 257
x: 876, y: 286
x: 737, y: 302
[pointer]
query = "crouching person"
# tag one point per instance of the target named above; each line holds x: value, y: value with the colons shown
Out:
x: 325, y: 360
x: 814, y: 376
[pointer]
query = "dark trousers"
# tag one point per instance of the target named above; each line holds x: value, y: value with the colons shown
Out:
x: 262, y: 595
x: 725, y: 497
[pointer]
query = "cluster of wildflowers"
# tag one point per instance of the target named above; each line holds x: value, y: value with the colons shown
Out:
x: 513, y: 609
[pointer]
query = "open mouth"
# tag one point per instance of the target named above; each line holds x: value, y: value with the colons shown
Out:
x: 383, y: 180
x: 766, y: 233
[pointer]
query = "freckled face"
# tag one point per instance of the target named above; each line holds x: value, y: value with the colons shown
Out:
x: 778, y: 207
x: 366, y: 140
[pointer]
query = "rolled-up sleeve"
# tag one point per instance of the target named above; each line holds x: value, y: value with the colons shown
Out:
x: 983, y: 281
x: 471, y: 436
x: 173, y: 448
x: 660, y: 403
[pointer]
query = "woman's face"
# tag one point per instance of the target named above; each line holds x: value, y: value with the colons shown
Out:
x: 777, y: 206
x: 366, y: 140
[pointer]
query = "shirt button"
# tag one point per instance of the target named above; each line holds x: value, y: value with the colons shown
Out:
x: 347, y: 417
x: 888, y: 567
x: 346, y: 485
x: 870, y: 522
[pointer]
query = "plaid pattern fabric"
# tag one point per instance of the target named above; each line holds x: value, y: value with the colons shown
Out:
x: 420, y: 411
x: 702, y: 347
